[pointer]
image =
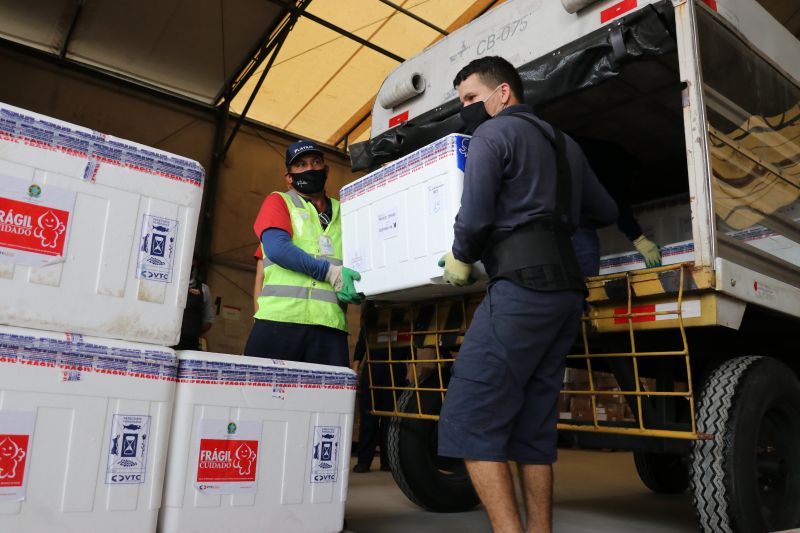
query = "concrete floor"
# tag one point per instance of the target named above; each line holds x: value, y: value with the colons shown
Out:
x: 595, y: 491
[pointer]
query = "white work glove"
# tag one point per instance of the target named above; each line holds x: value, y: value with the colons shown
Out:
x: 334, y: 277
x: 342, y: 280
x: 649, y: 250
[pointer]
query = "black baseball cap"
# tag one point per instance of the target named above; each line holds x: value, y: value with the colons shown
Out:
x: 299, y: 148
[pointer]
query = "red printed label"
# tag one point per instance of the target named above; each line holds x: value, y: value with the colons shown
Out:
x: 32, y: 228
x: 13, y: 453
x: 398, y: 119
x: 223, y: 460
x: 616, y: 10
x: 711, y: 3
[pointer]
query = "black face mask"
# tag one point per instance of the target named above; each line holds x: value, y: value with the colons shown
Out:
x: 473, y: 115
x: 310, y: 181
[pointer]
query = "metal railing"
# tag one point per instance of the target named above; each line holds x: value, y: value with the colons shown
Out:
x: 411, y: 348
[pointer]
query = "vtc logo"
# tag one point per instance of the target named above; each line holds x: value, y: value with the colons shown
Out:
x: 126, y: 478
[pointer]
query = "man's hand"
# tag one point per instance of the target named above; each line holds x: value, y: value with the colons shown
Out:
x: 455, y: 272
x: 343, y: 279
x: 649, y: 250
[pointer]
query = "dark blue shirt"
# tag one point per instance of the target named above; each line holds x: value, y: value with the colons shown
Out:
x: 510, y: 179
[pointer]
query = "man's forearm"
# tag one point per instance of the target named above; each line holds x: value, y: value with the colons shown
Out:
x: 279, y: 249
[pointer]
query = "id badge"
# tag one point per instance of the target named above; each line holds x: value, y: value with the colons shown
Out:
x: 325, y: 245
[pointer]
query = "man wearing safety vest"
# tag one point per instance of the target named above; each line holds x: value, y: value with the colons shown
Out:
x: 305, y: 292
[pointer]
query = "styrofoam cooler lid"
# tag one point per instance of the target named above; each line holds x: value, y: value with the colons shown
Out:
x: 89, y: 148
x: 81, y: 353
x: 220, y: 369
x: 453, y: 146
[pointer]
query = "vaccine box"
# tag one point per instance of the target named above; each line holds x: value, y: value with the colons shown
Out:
x: 668, y: 223
x: 96, y: 233
x: 258, y: 445
x: 397, y: 222
x: 84, y: 424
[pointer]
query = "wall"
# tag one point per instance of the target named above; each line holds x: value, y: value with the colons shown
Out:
x: 63, y: 93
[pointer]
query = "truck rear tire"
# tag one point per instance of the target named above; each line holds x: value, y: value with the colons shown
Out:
x: 435, y: 483
x: 663, y: 473
x: 747, y: 476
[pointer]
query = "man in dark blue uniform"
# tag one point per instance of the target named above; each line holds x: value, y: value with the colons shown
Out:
x: 527, y: 187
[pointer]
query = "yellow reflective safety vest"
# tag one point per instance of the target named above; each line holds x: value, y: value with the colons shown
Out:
x: 289, y: 296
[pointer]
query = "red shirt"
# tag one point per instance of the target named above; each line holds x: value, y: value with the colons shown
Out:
x: 258, y: 254
x: 273, y: 214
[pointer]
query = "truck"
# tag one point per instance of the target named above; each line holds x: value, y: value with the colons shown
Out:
x: 692, y: 365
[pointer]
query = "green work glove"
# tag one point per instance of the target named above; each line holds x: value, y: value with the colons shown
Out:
x: 456, y: 272
x: 649, y: 250
x: 342, y: 280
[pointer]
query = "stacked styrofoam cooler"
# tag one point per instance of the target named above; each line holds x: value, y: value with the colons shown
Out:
x: 398, y: 221
x: 84, y: 424
x: 96, y: 233
x: 258, y: 445
x: 96, y: 238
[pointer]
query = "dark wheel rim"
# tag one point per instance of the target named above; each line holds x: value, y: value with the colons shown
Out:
x: 774, y: 463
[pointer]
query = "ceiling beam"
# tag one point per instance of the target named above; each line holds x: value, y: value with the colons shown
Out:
x: 73, y: 22
x: 419, y: 19
x: 276, y: 48
x: 345, y: 33
x: 254, y: 59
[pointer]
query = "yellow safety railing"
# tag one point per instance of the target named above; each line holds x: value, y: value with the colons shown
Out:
x: 631, y: 316
x: 411, y: 347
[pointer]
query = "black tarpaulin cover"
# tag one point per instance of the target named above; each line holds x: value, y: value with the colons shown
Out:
x: 582, y: 64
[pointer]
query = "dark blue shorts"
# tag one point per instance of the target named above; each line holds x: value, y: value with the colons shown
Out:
x: 502, y: 401
x: 298, y: 342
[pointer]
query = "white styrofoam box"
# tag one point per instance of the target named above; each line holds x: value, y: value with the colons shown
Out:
x: 667, y: 222
x: 84, y: 424
x: 671, y: 254
x: 397, y: 222
x: 258, y: 445
x: 96, y: 233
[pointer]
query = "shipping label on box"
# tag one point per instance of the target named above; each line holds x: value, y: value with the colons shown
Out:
x: 34, y: 222
x: 127, y: 455
x: 227, y: 460
x: 325, y: 454
x: 157, y: 251
x: 16, y: 436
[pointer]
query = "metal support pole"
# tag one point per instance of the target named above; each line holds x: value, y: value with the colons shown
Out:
x: 345, y: 33
x: 210, y: 190
x: 257, y: 56
x: 347, y: 134
x: 419, y: 19
x: 75, y: 16
x: 278, y: 44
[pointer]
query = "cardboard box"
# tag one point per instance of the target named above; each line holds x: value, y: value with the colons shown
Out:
x: 581, y: 408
